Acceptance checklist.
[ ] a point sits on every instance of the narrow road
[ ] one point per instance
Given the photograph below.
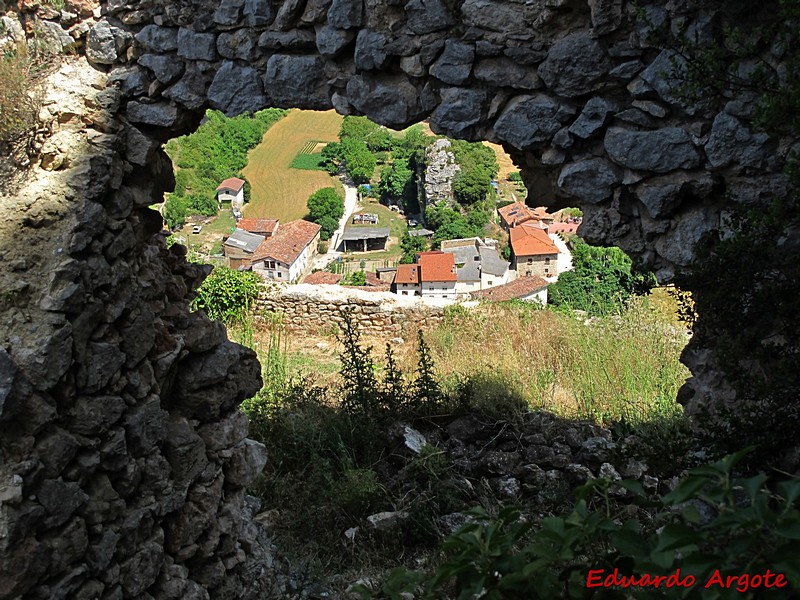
(350, 204)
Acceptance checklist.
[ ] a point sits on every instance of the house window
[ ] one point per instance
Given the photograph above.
(546, 271)
(547, 261)
(527, 273)
(405, 293)
(530, 261)
(280, 274)
(491, 282)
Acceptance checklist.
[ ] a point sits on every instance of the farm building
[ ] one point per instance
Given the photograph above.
(231, 190)
(240, 246)
(365, 239)
(286, 256)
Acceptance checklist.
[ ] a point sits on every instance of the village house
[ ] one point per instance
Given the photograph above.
(533, 253)
(265, 227)
(437, 274)
(478, 266)
(529, 289)
(514, 215)
(239, 247)
(231, 190)
(406, 280)
(365, 239)
(286, 255)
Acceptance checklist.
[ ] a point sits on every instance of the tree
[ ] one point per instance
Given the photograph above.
(411, 245)
(360, 162)
(227, 294)
(202, 204)
(600, 283)
(471, 185)
(326, 207)
(397, 183)
(175, 211)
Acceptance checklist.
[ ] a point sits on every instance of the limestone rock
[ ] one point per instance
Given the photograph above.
(290, 76)
(503, 71)
(455, 63)
(160, 114)
(281, 40)
(528, 121)
(239, 44)
(196, 46)
(385, 521)
(660, 151)
(731, 142)
(165, 68)
(229, 12)
(100, 44)
(459, 109)
(53, 39)
(606, 15)
(427, 16)
(331, 41)
(345, 14)
(236, 89)
(389, 100)
(370, 53)
(575, 65)
(593, 117)
(158, 40)
(257, 13)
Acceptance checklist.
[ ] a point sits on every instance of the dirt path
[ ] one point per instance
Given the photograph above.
(278, 191)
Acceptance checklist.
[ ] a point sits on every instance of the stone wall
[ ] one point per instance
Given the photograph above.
(318, 309)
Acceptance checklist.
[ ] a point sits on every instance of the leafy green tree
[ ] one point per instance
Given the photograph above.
(227, 294)
(601, 282)
(397, 183)
(174, 212)
(326, 207)
(332, 157)
(470, 155)
(202, 204)
(411, 245)
(471, 185)
(360, 162)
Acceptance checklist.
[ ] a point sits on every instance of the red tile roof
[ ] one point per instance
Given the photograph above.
(564, 228)
(323, 277)
(262, 226)
(373, 280)
(508, 291)
(288, 242)
(407, 274)
(437, 266)
(231, 183)
(519, 213)
(530, 240)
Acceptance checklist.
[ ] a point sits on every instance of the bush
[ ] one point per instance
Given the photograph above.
(326, 207)
(18, 110)
(227, 294)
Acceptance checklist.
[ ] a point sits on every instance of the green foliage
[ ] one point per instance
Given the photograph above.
(360, 392)
(471, 185)
(358, 278)
(309, 162)
(472, 155)
(754, 528)
(358, 160)
(227, 294)
(412, 245)
(426, 393)
(175, 210)
(449, 224)
(18, 108)
(601, 282)
(397, 184)
(375, 137)
(326, 207)
(515, 176)
(216, 151)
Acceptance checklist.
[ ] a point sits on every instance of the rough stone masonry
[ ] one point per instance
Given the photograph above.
(124, 456)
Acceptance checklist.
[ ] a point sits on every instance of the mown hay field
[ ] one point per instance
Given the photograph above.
(279, 191)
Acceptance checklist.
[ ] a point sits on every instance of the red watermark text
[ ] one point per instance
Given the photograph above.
(600, 578)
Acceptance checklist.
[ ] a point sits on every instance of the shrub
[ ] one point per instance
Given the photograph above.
(227, 294)
(326, 207)
(18, 109)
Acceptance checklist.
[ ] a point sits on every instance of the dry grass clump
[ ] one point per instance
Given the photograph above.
(18, 107)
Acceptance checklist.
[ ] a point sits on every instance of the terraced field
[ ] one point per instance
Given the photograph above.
(278, 191)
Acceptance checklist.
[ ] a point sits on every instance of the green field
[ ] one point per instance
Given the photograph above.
(278, 190)
(308, 162)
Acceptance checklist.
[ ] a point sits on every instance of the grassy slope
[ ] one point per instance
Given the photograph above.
(278, 191)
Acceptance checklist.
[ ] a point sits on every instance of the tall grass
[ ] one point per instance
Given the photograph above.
(623, 366)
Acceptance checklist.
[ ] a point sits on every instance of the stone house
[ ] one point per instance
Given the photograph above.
(231, 190)
(514, 215)
(286, 255)
(240, 246)
(529, 289)
(478, 266)
(533, 252)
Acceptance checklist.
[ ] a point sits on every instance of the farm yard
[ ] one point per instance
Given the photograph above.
(279, 188)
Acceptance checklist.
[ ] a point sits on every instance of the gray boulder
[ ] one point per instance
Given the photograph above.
(331, 41)
(196, 46)
(502, 71)
(165, 68)
(53, 39)
(100, 44)
(528, 121)
(606, 15)
(257, 13)
(459, 110)
(732, 142)
(287, 40)
(455, 63)
(389, 100)
(158, 39)
(239, 44)
(292, 78)
(593, 116)
(229, 12)
(345, 14)
(427, 16)
(161, 114)
(371, 53)
(575, 65)
(663, 76)
(236, 89)
(590, 180)
(661, 151)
